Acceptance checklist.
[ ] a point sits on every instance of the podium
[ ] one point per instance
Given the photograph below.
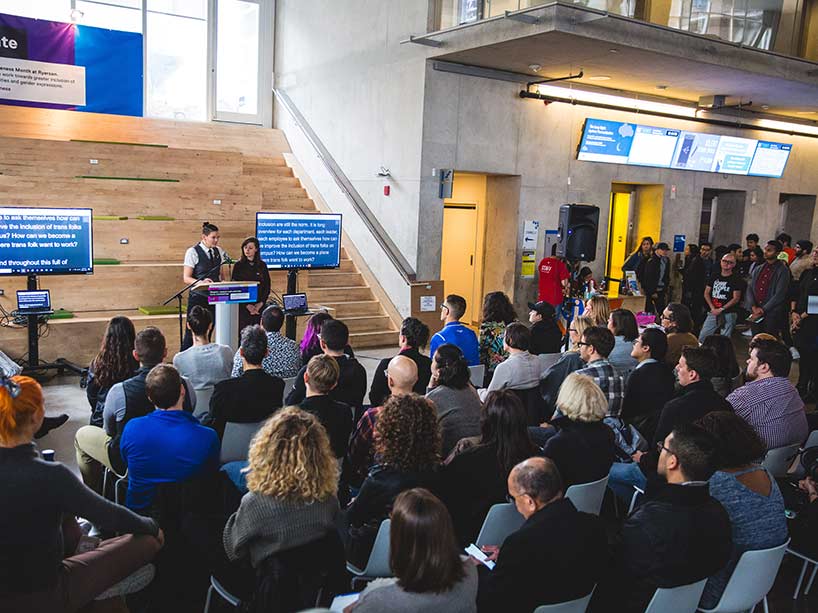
(227, 296)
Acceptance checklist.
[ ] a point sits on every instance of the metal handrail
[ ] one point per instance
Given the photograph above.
(355, 199)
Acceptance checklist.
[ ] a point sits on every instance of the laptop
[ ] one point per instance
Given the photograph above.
(295, 303)
(34, 302)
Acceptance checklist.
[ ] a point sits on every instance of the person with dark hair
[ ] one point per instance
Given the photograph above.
(801, 262)
(728, 376)
(553, 280)
(40, 569)
(454, 332)
(321, 377)
(351, 387)
(805, 330)
(786, 250)
(719, 251)
(693, 282)
(455, 399)
(678, 323)
(430, 574)
(747, 492)
(113, 364)
(651, 384)
(99, 447)
(595, 347)
(706, 254)
(205, 363)
(557, 555)
(752, 240)
(251, 267)
(654, 276)
(497, 314)
(769, 402)
(202, 263)
(585, 285)
(767, 292)
(283, 358)
(475, 477)
(622, 324)
(546, 336)
(168, 445)
(412, 337)
(677, 535)
(640, 256)
(251, 397)
(521, 371)
(407, 448)
(722, 295)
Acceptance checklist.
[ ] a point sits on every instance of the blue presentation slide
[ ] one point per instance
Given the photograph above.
(606, 141)
(299, 240)
(45, 241)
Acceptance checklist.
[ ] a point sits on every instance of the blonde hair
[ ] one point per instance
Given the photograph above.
(323, 371)
(600, 310)
(580, 399)
(290, 457)
(581, 324)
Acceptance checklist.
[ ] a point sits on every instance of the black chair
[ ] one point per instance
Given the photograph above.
(534, 404)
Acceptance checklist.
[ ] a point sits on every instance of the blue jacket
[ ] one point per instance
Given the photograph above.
(457, 334)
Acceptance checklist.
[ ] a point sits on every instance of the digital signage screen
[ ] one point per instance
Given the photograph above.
(634, 144)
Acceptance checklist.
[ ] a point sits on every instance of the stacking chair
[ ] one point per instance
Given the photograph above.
(203, 397)
(681, 599)
(289, 384)
(572, 606)
(236, 440)
(229, 598)
(804, 568)
(502, 520)
(779, 460)
(587, 497)
(378, 563)
(477, 375)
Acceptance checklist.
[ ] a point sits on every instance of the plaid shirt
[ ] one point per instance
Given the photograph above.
(362, 446)
(609, 380)
(774, 409)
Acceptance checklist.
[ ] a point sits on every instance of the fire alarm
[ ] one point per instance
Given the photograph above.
(386, 190)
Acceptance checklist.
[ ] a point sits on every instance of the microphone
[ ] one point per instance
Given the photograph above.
(228, 260)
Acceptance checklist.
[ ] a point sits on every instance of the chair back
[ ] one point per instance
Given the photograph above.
(752, 578)
(203, 397)
(289, 383)
(502, 520)
(236, 440)
(812, 440)
(681, 599)
(778, 460)
(477, 375)
(534, 404)
(587, 497)
(378, 563)
(572, 606)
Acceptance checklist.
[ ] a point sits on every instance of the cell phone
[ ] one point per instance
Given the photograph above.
(475, 552)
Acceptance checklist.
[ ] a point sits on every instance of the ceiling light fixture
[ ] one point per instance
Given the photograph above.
(600, 77)
(627, 104)
(662, 87)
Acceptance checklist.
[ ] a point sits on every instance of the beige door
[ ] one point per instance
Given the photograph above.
(457, 259)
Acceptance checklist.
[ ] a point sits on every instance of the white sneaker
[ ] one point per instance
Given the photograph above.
(794, 353)
(748, 333)
(131, 584)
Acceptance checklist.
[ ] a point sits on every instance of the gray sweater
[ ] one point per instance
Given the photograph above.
(264, 525)
(458, 412)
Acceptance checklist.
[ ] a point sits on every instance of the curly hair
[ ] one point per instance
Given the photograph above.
(407, 435)
(290, 457)
(497, 307)
(115, 361)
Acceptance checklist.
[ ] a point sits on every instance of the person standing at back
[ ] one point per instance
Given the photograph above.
(722, 295)
(767, 292)
(454, 332)
(655, 278)
(553, 282)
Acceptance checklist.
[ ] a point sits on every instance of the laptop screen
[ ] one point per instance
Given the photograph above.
(33, 301)
(295, 302)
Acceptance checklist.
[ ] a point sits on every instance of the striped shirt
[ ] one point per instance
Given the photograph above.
(774, 409)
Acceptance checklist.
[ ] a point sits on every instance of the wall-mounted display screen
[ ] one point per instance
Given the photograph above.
(299, 240)
(616, 142)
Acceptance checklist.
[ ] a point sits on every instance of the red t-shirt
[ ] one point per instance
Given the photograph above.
(553, 272)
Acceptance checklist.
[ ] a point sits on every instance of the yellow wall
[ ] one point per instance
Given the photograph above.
(647, 215)
(617, 237)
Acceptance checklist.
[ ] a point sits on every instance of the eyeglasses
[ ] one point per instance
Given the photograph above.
(660, 445)
(728, 262)
(443, 306)
(582, 344)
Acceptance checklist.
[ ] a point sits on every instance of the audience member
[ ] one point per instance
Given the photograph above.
(113, 364)
(569, 362)
(401, 377)
(40, 569)
(706, 254)
(693, 282)
(752, 240)
(205, 363)
(321, 378)
(769, 402)
(430, 574)
(678, 535)
(598, 309)
(283, 358)
(251, 397)
(351, 387)
(521, 371)
(412, 337)
(168, 445)
(597, 343)
(311, 342)
(475, 478)
(655, 279)
(678, 323)
(97, 447)
(583, 447)
(786, 250)
(497, 314)
(622, 324)
(722, 295)
(747, 492)
(728, 375)
(651, 384)
(805, 329)
(292, 478)
(454, 332)
(407, 445)
(455, 400)
(557, 555)
(767, 292)
(546, 336)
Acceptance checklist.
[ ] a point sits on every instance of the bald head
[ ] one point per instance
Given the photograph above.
(538, 478)
(401, 375)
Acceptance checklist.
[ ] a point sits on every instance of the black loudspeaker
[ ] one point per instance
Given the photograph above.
(576, 239)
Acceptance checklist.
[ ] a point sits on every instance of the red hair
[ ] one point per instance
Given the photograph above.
(16, 413)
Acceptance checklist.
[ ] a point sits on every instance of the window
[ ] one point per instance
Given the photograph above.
(237, 58)
(53, 10)
(125, 15)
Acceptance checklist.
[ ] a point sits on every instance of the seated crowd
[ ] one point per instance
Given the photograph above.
(432, 452)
